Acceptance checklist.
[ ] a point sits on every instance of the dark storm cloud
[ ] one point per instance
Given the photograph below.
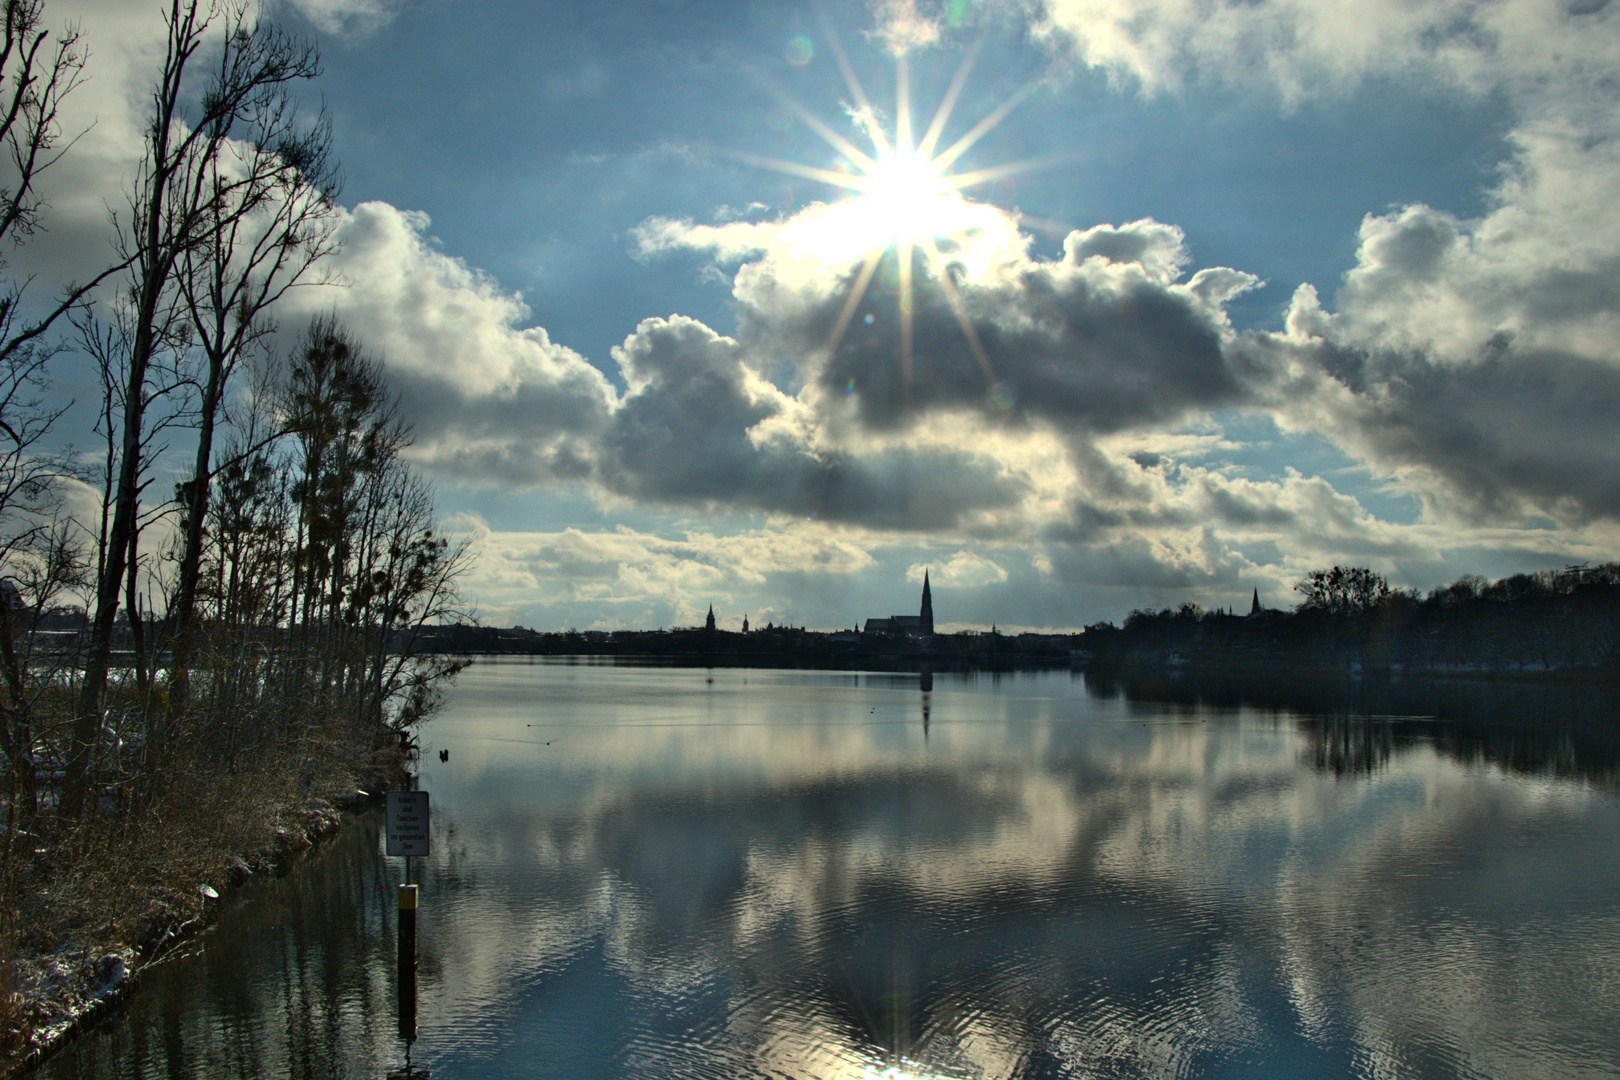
(1137, 563)
(571, 402)
(1509, 432)
(696, 428)
(1476, 362)
(1100, 340)
(696, 425)
(1245, 509)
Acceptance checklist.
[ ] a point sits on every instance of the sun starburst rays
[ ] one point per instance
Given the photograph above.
(903, 199)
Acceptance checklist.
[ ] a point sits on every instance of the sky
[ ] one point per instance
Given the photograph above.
(1081, 306)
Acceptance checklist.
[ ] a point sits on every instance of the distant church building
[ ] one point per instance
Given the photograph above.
(919, 625)
(708, 623)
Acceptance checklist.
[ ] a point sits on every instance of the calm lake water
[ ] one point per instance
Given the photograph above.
(653, 872)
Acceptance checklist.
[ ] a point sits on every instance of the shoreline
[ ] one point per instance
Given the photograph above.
(941, 664)
(71, 989)
(75, 987)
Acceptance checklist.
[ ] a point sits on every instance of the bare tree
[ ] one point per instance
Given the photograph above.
(369, 569)
(39, 71)
(345, 426)
(47, 567)
(406, 578)
(174, 216)
(269, 222)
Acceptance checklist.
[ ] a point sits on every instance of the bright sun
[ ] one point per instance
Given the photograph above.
(912, 195)
(903, 197)
(901, 192)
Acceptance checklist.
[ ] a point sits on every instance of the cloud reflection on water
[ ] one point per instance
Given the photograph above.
(1048, 885)
(779, 874)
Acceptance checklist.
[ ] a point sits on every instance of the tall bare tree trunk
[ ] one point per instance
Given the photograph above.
(173, 212)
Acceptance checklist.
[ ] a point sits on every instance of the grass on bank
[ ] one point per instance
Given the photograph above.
(125, 883)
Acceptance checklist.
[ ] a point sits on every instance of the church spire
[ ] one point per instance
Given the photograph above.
(1254, 609)
(927, 614)
(709, 624)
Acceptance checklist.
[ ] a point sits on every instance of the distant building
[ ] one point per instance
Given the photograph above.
(919, 625)
(708, 624)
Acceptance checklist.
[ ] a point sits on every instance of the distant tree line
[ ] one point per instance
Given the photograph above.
(769, 646)
(237, 650)
(1350, 618)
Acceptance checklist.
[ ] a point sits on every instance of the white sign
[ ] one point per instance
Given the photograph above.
(407, 823)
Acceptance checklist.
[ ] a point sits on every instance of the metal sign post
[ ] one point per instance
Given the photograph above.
(407, 824)
(407, 831)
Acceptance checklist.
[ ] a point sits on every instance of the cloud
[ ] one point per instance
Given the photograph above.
(1189, 523)
(490, 399)
(1052, 425)
(1108, 339)
(962, 570)
(352, 19)
(105, 117)
(1067, 430)
(901, 27)
(729, 242)
(1085, 389)
(1502, 435)
(1475, 358)
(1545, 276)
(1104, 338)
(1471, 359)
(633, 579)
(701, 426)
(1306, 48)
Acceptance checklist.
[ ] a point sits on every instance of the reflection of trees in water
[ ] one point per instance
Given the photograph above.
(1348, 745)
(1354, 726)
(290, 979)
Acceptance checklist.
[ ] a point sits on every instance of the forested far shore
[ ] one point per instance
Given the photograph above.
(1350, 619)
(256, 550)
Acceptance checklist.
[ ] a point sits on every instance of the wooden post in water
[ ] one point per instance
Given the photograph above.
(407, 962)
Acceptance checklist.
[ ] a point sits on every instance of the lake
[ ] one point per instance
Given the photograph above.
(654, 872)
